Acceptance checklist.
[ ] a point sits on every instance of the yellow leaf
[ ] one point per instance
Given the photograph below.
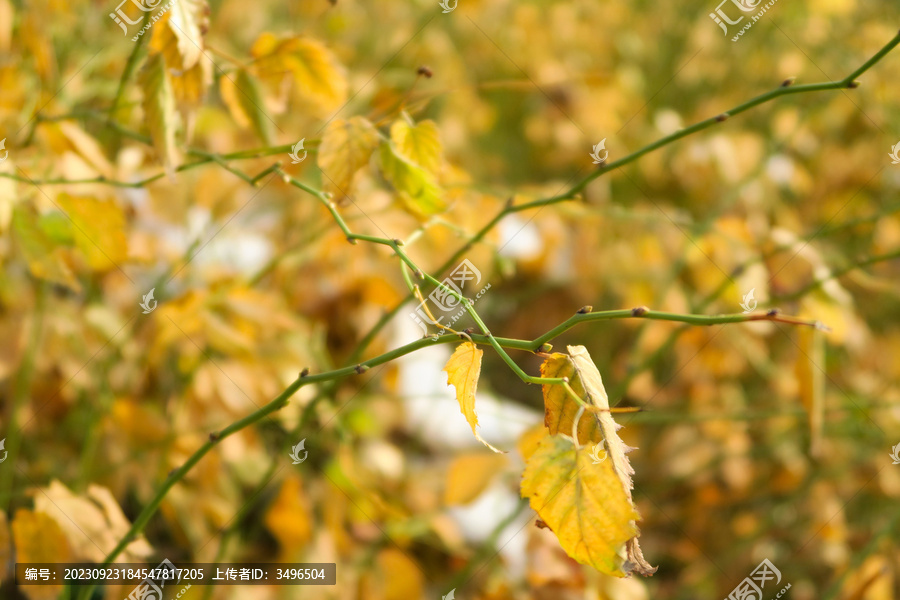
(559, 409)
(420, 143)
(179, 31)
(39, 539)
(470, 474)
(318, 76)
(463, 370)
(595, 394)
(581, 502)
(44, 259)
(178, 37)
(244, 100)
(810, 374)
(99, 229)
(346, 147)
(288, 518)
(416, 187)
(159, 110)
(92, 525)
(399, 575)
(529, 440)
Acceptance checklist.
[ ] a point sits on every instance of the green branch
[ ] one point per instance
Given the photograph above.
(785, 89)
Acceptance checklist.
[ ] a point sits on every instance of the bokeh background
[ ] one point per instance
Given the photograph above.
(757, 441)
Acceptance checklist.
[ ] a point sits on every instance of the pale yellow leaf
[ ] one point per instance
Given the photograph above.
(420, 143)
(469, 475)
(179, 31)
(416, 187)
(159, 110)
(38, 538)
(583, 503)
(463, 370)
(93, 524)
(87, 147)
(98, 229)
(346, 147)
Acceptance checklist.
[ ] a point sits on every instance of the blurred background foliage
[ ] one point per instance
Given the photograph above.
(759, 440)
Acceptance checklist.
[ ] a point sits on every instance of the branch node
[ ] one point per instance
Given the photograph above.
(351, 239)
(585, 310)
(545, 348)
(419, 274)
(426, 71)
(773, 312)
(214, 437)
(639, 311)
(360, 369)
(304, 372)
(853, 85)
(397, 242)
(469, 330)
(723, 117)
(510, 201)
(788, 82)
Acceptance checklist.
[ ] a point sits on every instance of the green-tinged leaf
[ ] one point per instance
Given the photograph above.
(242, 95)
(560, 409)
(159, 110)
(416, 187)
(45, 260)
(99, 229)
(420, 143)
(317, 74)
(463, 370)
(581, 502)
(346, 147)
